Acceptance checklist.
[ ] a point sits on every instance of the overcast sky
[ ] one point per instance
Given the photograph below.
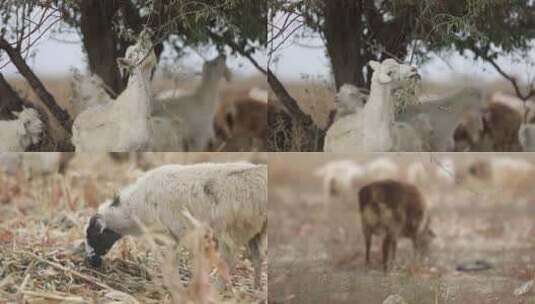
(57, 58)
(296, 60)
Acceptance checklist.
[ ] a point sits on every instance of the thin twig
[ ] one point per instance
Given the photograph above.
(73, 272)
(54, 296)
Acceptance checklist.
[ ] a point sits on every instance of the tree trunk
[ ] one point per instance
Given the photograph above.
(37, 86)
(101, 42)
(9, 100)
(305, 134)
(343, 34)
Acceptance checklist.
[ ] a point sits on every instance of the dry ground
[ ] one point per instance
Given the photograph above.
(41, 238)
(60, 88)
(310, 243)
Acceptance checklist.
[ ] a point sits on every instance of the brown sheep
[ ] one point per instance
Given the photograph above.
(397, 210)
(468, 134)
(501, 124)
(244, 118)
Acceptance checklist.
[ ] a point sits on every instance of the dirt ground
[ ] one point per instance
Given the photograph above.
(311, 243)
(42, 219)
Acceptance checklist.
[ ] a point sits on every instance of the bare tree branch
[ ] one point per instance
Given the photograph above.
(61, 115)
(509, 78)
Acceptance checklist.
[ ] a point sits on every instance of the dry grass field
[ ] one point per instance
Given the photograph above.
(60, 88)
(316, 252)
(42, 257)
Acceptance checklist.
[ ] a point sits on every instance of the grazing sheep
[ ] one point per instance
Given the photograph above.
(431, 175)
(231, 197)
(505, 175)
(19, 134)
(468, 135)
(397, 210)
(369, 130)
(339, 179)
(192, 115)
(443, 114)
(382, 168)
(349, 100)
(405, 138)
(35, 163)
(123, 124)
(243, 118)
(501, 125)
(87, 91)
(514, 103)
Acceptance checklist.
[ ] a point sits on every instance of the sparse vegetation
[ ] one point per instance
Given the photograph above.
(42, 258)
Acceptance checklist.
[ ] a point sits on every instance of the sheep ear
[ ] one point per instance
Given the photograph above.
(383, 78)
(374, 65)
(17, 114)
(99, 224)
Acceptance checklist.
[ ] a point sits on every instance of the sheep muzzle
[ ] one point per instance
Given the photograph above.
(99, 240)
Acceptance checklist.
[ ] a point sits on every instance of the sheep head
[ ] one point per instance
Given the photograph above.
(216, 69)
(99, 240)
(139, 54)
(391, 72)
(31, 127)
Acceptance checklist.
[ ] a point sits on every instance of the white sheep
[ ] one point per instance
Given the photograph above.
(433, 175)
(17, 135)
(444, 115)
(382, 168)
(258, 94)
(123, 124)
(349, 100)
(417, 173)
(193, 114)
(87, 91)
(369, 130)
(230, 197)
(34, 163)
(340, 179)
(506, 175)
(406, 138)
(515, 103)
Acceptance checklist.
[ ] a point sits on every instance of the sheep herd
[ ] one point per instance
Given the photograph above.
(394, 197)
(137, 120)
(465, 121)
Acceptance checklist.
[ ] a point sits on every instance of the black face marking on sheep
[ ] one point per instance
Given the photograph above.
(99, 240)
(115, 202)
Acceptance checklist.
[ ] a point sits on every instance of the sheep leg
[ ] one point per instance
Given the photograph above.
(394, 244)
(254, 255)
(386, 248)
(226, 254)
(368, 243)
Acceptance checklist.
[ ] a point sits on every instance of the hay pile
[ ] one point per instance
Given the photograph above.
(42, 258)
